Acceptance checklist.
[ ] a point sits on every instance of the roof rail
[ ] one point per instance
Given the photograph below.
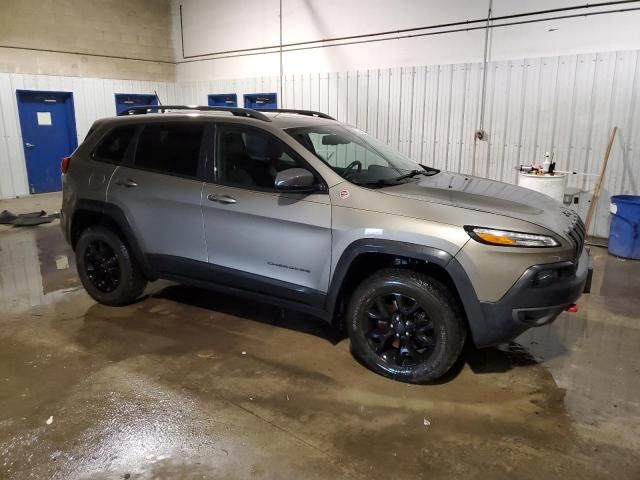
(241, 112)
(310, 113)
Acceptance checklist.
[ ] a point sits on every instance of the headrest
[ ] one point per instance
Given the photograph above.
(260, 147)
(233, 144)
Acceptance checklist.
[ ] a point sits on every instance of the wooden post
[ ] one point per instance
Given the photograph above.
(596, 191)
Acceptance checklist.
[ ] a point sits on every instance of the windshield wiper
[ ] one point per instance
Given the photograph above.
(389, 182)
(410, 174)
(428, 171)
(385, 182)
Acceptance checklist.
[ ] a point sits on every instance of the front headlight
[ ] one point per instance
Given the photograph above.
(506, 238)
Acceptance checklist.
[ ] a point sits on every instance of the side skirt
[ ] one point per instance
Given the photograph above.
(235, 282)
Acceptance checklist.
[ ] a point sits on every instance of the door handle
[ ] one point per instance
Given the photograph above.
(126, 183)
(29, 145)
(224, 199)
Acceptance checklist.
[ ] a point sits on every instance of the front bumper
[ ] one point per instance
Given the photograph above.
(537, 298)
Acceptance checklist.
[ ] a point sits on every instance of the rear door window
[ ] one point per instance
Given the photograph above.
(113, 146)
(170, 148)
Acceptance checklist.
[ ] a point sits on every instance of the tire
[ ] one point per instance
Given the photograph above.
(405, 325)
(107, 269)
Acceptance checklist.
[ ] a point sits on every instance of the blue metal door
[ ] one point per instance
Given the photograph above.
(260, 100)
(129, 100)
(48, 127)
(223, 100)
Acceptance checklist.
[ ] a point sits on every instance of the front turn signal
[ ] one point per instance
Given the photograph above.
(507, 238)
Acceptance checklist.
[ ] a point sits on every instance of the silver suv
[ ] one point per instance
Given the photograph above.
(296, 208)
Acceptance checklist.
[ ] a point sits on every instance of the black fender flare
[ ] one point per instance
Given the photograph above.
(445, 260)
(117, 216)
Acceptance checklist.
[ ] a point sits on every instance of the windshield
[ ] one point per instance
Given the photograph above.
(358, 157)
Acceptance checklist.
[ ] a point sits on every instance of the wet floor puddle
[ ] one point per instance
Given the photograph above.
(186, 384)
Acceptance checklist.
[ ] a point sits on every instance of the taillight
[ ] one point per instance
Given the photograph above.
(64, 165)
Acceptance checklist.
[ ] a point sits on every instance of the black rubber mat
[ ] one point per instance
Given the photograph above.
(26, 219)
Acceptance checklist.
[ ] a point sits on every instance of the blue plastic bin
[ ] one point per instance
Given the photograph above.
(624, 234)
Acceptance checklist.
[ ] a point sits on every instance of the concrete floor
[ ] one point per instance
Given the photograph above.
(192, 384)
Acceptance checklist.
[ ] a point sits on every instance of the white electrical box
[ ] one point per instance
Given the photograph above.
(578, 200)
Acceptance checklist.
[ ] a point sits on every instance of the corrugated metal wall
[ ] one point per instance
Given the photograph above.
(92, 98)
(565, 105)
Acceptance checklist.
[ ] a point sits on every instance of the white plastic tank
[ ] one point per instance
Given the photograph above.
(551, 185)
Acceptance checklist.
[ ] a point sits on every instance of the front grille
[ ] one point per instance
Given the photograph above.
(576, 234)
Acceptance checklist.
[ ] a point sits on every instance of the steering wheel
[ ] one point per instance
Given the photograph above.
(347, 171)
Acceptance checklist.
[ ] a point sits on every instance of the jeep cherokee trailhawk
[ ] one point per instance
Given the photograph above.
(296, 208)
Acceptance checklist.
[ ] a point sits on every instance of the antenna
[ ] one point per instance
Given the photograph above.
(157, 97)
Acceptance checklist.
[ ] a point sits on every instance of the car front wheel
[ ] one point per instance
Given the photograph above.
(405, 325)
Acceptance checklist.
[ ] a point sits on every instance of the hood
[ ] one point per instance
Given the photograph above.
(484, 195)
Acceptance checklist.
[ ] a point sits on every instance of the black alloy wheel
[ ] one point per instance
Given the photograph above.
(108, 270)
(399, 330)
(406, 325)
(102, 266)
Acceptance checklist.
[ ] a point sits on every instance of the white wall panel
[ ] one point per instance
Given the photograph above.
(566, 105)
(417, 112)
(473, 99)
(384, 104)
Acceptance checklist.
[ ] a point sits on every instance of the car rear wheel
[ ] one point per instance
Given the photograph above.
(107, 269)
(405, 325)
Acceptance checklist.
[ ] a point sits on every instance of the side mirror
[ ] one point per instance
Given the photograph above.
(295, 180)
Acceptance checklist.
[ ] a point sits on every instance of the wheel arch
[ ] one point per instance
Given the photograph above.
(88, 213)
(363, 257)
